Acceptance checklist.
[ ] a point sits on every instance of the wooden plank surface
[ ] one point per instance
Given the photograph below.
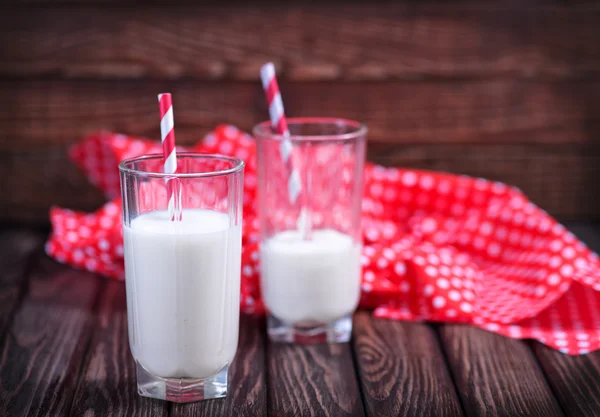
(316, 41)
(575, 380)
(312, 380)
(43, 179)
(559, 178)
(66, 353)
(488, 129)
(108, 386)
(424, 77)
(49, 113)
(42, 354)
(108, 383)
(587, 232)
(402, 369)
(247, 394)
(496, 376)
(17, 248)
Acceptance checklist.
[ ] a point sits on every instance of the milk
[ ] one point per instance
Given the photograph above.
(310, 281)
(183, 289)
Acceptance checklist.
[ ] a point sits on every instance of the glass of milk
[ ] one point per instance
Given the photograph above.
(182, 272)
(310, 248)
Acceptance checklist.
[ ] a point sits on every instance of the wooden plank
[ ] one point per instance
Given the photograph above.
(43, 179)
(17, 248)
(354, 42)
(247, 396)
(587, 232)
(406, 120)
(496, 376)
(575, 380)
(49, 113)
(43, 352)
(312, 380)
(108, 383)
(560, 178)
(513, 5)
(402, 369)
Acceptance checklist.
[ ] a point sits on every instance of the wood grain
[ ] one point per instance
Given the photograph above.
(49, 113)
(496, 376)
(560, 178)
(108, 384)
(40, 180)
(575, 380)
(422, 125)
(247, 393)
(312, 380)
(402, 369)
(587, 232)
(43, 352)
(321, 41)
(17, 249)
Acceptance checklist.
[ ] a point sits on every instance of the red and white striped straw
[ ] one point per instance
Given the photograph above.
(167, 132)
(279, 123)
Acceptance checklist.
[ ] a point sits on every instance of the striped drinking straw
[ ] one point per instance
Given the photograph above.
(167, 124)
(279, 123)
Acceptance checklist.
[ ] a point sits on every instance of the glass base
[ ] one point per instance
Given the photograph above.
(339, 331)
(182, 390)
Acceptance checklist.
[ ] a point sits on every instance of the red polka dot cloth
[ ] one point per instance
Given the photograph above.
(437, 247)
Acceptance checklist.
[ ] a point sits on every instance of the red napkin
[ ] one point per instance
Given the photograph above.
(437, 247)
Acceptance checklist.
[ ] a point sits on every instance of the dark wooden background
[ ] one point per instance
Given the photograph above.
(508, 90)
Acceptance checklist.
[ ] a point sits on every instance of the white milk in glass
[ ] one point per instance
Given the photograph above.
(183, 286)
(310, 281)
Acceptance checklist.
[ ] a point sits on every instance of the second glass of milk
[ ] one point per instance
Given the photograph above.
(182, 272)
(311, 244)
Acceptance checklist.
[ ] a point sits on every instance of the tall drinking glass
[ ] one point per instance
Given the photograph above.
(310, 249)
(182, 272)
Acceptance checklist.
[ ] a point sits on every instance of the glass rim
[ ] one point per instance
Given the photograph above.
(263, 129)
(237, 165)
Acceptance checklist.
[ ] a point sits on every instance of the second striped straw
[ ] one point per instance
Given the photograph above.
(280, 126)
(279, 123)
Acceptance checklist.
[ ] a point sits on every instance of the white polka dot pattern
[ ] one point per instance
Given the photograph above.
(435, 246)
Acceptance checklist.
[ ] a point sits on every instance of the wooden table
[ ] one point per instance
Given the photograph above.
(65, 353)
